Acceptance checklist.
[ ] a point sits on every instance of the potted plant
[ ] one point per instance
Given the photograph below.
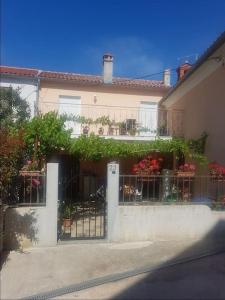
(162, 130)
(186, 170)
(148, 166)
(216, 171)
(67, 220)
(132, 131)
(173, 196)
(101, 131)
(122, 128)
(86, 130)
(219, 204)
(30, 169)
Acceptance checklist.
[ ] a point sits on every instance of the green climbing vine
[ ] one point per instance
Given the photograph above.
(96, 148)
(46, 135)
(198, 145)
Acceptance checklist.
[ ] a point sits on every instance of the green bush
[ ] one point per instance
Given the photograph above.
(46, 135)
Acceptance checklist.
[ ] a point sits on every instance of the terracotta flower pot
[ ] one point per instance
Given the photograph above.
(29, 173)
(185, 174)
(67, 223)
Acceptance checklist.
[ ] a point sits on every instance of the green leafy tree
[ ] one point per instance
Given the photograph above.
(11, 159)
(46, 135)
(14, 110)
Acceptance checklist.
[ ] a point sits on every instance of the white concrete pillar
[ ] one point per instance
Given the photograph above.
(51, 204)
(112, 198)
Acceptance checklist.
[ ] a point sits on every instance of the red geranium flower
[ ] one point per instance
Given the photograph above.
(148, 166)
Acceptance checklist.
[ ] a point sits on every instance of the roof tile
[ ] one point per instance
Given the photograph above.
(82, 78)
(18, 71)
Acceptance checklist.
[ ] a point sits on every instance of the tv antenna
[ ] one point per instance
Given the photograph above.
(190, 58)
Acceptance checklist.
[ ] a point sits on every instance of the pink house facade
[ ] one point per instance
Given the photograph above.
(111, 107)
(200, 94)
(119, 108)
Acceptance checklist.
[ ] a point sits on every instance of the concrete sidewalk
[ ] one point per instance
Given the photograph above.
(43, 269)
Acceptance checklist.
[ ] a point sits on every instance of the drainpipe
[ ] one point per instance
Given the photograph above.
(37, 94)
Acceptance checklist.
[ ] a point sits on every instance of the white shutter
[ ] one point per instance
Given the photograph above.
(148, 118)
(71, 106)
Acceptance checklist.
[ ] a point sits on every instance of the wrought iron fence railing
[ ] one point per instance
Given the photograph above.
(26, 190)
(160, 189)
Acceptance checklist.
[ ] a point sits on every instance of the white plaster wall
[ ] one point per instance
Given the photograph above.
(177, 222)
(34, 226)
(26, 227)
(28, 89)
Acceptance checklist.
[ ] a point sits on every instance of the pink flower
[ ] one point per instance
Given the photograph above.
(216, 169)
(187, 167)
(35, 182)
(192, 167)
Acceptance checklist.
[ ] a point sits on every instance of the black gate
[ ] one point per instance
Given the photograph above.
(82, 207)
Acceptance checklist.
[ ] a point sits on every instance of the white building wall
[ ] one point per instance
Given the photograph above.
(163, 222)
(28, 89)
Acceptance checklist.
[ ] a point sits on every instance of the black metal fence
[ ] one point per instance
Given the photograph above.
(25, 190)
(82, 209)
(159, 189)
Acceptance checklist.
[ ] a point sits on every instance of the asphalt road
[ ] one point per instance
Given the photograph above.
(39, 270)
(201, 279)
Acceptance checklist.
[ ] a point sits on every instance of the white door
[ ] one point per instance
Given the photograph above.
(148, 118)
(71, 106)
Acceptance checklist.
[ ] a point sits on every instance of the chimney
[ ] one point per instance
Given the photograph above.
(166, 77)
(107, 68)
(182, 70)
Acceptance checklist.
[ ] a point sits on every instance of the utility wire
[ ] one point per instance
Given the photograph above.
(153, 74)
(147, 75)
(217, 58)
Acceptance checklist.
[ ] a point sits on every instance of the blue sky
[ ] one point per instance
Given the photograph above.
(145, 36)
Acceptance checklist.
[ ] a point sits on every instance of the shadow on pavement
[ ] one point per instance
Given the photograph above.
(199, 279)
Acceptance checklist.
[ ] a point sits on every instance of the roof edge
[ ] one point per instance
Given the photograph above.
(215, 46)
(85, 79)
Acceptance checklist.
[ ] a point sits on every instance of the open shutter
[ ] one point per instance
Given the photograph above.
(148, 118)
(71, 106)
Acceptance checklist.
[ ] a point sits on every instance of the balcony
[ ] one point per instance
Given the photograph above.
(126, 123)
(143, 122)
(170, 123)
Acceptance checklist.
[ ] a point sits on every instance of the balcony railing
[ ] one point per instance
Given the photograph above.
(122, 121)
(170, 123)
